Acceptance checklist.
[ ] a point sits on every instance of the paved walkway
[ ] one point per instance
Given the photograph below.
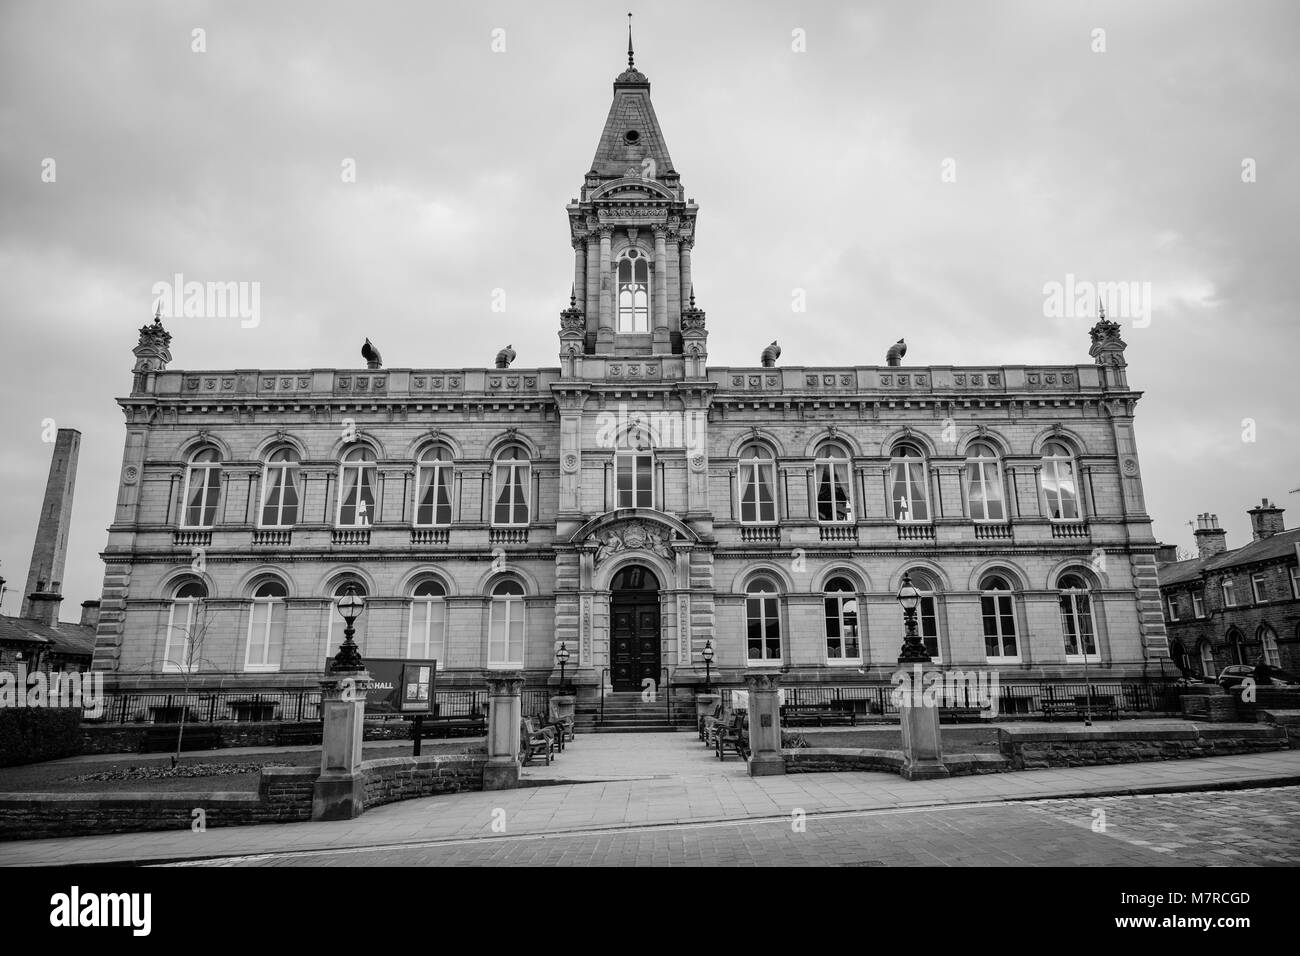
(705, 791)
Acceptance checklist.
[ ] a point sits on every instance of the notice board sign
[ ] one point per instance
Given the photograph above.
(401, 685)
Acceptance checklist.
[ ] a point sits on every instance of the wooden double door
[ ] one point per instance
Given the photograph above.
(634, 628)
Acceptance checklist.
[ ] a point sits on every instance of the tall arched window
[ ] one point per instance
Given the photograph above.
(357, 488)
(1208, 667)
(511, 478)
(633, 292)
(266, 627)
(1059, 488)
(1236, 650)
(433, 487)
(834, 501)
(506, 625)
(334, 637)
(757, 485)
(999, 611)
(841, 604)
(762, 621)
(984, 483)
(1179, 656)
(202, 488)
(1076, 619)
(927, 611)
(184, 627)
(1268, 646)
(909, 494)
(280, 493)
(634, 469)
(427, 633)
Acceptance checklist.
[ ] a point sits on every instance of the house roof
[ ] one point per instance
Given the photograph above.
(78, 639)
(1272, 548)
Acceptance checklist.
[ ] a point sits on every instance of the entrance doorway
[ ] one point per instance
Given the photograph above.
(634, 628)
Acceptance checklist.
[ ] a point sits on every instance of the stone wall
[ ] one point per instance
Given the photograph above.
(1212, 708)
(842, 759)
(1031, 748)
(405, 778)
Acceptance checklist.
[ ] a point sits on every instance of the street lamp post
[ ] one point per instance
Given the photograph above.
(562, 655)
(913, 650)
(707, 654)
(350, 606)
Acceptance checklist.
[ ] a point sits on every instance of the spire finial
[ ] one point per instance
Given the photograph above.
(1101, 308)
(629, 42)
(692, 295)
(573, 296)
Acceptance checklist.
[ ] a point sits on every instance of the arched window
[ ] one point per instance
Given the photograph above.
(1236, 652)
(1076, 619)
(511, 478)
(762, 621)
(202, 487)
(1179, 656)
(927, 611)
(999, 611)
(909, 493)
(266, 627)
(757, 485)
(634, 469)
(427, 633)
(842, 638)
(633, 292)
(1208, 668)
(506, 625)
(1058, 482)
(834, 501)
(357, 488)
(433, 487)
(184, 627)
(1268, 646)
(280, 491)
(334, 637)
(984, 483)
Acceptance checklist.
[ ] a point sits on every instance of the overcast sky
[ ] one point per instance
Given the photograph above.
(818, 170)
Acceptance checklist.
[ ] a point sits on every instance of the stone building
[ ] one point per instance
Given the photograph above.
(1235, 607)
(632, 504)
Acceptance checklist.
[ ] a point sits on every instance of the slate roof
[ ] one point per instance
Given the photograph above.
(631, 110)
(75, 639)
(1272, 548)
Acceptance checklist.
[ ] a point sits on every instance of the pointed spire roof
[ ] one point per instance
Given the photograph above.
(631, 129)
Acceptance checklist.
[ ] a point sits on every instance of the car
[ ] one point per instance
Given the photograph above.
(1233, 675)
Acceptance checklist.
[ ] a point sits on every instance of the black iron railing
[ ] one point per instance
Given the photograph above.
(213, 706)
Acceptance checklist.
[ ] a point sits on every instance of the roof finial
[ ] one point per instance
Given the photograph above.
(573, 296)
(692, 295)
(1101, 308)
(629, 42)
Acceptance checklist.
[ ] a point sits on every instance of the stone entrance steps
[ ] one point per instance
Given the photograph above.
(626, 712)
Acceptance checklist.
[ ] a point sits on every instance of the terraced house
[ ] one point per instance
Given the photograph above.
(631, 503)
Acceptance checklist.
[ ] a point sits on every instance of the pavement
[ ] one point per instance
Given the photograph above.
(594, 790)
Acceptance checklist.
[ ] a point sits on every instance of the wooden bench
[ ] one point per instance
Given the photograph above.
(818, 714)
(734, 734)
(534, 743)
(471, 725)
(706, 723)
(1101, 706)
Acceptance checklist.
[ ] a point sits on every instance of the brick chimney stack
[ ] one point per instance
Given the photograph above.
(44, 591)
(1210, 538)
(90, 614)
(1266, 520)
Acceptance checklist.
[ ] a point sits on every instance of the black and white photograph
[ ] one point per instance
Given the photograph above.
(698, 435)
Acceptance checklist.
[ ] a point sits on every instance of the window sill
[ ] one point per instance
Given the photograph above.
(1080, 659)
(261, 668)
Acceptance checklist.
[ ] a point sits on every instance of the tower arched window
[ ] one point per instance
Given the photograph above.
(1059, 487)
(433, 476)
(202, 488)
(843, 642)
(634, 468)
(757, 485)
(832, 474)
(998, 607)
(909, 490)
(184, 627)
(427, 630)
(633, 292)
(984, 483)
(266, 627)
(506, 625)
(762, 621)
(511, 479)
(1076, 619)
(280, 494)
(357, 488)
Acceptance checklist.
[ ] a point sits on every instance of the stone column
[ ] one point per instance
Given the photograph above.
(591, 303)
(504, 714)
(764, 724)
(685, 254)
(580, 268)
(919, 722)
(661, 290)
(605, 332)
(340, 792)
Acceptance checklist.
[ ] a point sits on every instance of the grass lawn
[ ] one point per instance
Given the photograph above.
(211, 770)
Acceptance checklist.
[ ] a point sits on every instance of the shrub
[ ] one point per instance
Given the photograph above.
(33, 734)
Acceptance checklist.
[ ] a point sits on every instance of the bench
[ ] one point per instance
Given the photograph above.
(706, 723)
(308, 734)
(534, 743)
(818, 714)
(733, 734)
(197, 737)
(464, 725)
(1076, 706)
